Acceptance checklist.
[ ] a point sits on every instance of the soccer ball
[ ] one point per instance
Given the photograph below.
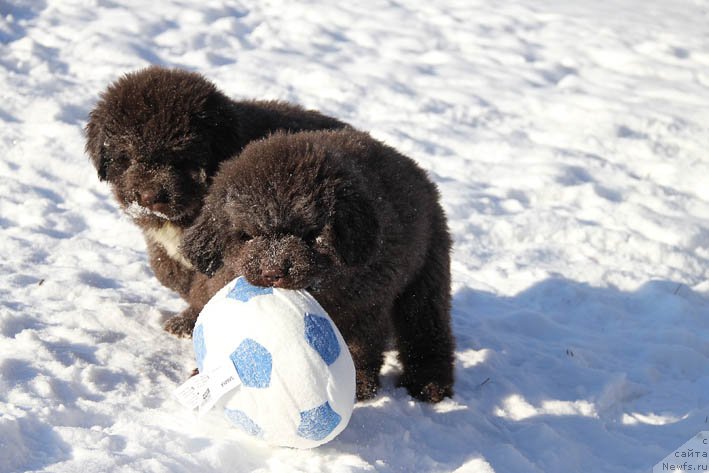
(297, 376)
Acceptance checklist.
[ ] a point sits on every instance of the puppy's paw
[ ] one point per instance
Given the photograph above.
(183, 324)
(431, 391)
(367, 385)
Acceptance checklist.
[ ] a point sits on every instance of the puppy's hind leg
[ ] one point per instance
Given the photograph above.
(421, 317)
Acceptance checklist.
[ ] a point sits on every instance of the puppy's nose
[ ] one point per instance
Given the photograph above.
(152, 197)
(273, 274)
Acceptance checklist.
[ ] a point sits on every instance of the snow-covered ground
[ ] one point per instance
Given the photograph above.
(570, 142)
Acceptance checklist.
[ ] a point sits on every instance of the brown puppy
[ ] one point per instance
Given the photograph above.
(355, 223)
(157, 136)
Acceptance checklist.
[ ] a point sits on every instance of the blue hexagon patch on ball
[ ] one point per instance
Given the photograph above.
(200, 349)
(318, 423)
(244, 422)
(253, 363)
(243, 291)
(321, 336)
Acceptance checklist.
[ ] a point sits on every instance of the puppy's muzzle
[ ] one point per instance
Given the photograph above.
(274, 275)
(157, 200)
(276, 261)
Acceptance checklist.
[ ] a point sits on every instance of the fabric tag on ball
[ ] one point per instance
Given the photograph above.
(204, 390)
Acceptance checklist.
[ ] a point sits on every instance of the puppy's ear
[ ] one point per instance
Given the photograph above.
(356, 228)
(95, 147)
(218, 120)
(203, 243)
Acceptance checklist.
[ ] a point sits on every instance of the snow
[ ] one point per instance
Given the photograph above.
(569, 140)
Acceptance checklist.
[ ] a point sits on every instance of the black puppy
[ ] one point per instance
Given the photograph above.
(157, 136)
(355, 223)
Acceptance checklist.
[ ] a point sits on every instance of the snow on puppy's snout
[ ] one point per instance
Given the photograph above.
(275, 261)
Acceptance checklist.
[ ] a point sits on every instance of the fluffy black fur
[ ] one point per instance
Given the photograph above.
(355, 223)
(157, 136)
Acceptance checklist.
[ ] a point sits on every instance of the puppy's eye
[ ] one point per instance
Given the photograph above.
(114, 164)
(200, 175)
(311, 237)
(103, 150)
(244, 237)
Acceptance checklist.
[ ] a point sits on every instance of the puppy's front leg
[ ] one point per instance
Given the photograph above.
(366, 338)
(182, 325)
(169, 271)
(201, 290)
(367, 373)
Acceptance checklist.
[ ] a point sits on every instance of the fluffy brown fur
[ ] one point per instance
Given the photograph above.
(157, 136)
(355, 223)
